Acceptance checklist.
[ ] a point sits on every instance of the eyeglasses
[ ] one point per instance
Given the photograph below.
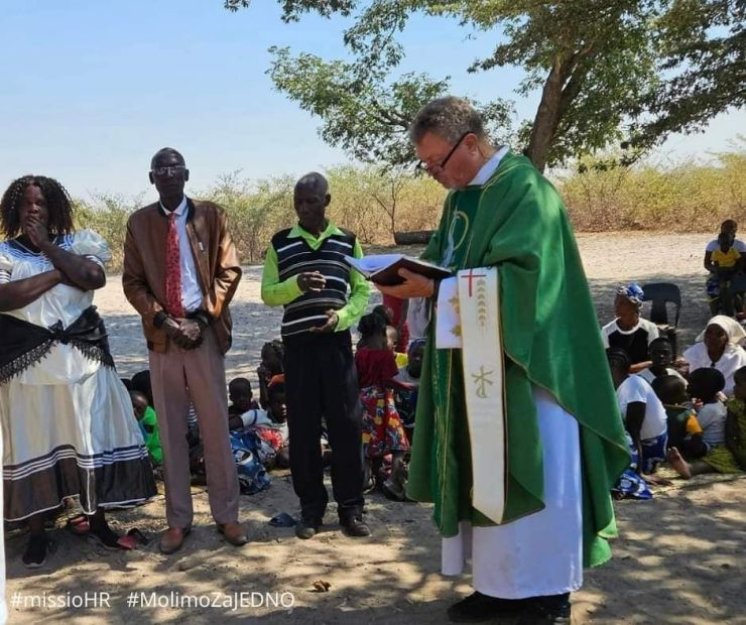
(171, 170)
(422, 165)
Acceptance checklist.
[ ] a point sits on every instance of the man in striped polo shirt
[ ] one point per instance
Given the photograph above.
(305, 272)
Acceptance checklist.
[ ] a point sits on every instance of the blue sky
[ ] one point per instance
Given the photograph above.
(92, 89)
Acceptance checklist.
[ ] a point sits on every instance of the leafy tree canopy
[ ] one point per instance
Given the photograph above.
(599, 65)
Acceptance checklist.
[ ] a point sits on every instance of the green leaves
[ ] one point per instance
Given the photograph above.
(292, 9)
(704, 53)
(368, 118)
(607, 70)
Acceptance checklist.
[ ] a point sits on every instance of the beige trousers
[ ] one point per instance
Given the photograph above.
(179, 376)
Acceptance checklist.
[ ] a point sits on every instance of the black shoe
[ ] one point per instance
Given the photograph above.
(550, 610)
(355, 526)
(36, 551)
(393, 491)
(477, 608)
(307, 528)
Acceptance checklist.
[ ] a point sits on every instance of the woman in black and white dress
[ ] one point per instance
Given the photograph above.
(67, 421)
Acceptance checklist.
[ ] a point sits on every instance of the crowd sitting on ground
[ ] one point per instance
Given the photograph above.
(687, 411)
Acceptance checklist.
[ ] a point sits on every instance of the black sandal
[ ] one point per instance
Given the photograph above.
(36, 552)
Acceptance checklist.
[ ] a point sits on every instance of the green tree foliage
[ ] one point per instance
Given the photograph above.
(359, 115)
(592, 60)
(704, 52)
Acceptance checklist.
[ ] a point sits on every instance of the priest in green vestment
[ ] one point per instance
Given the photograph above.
(561, 437)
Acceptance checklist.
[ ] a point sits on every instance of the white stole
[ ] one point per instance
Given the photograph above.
(468, 318)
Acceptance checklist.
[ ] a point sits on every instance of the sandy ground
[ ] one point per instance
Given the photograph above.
(679, 559)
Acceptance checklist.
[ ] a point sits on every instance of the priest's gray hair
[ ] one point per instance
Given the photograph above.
(450, 118)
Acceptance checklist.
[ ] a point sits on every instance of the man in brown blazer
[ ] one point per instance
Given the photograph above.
(180, 273)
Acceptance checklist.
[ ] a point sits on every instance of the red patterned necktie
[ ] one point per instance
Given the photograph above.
(174, 306)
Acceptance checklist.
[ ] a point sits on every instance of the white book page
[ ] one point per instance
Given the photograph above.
(371, 264)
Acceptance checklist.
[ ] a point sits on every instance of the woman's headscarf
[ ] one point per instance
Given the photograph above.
(732, 328)
(632, 292)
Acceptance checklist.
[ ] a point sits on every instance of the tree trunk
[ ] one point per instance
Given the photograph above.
(547, 115)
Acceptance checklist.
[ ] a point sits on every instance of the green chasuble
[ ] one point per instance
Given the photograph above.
(517, 221)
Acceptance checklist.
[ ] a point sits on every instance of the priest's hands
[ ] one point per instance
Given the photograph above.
(414, 285)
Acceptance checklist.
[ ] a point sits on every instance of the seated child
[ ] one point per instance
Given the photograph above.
(392, 338)
(250, 424)
(278, 412)
(411, 372)
(252, 454)
(148, 425)
(684, 430)
(141, 382)
(243, 411)
(631, 484)
(407, 383)
(705, 385)
(383, 431)
(252, 475)
(725, 257)
(724, 261)
(724, 426)
(642, 412)
(272, 355)
(661, 355)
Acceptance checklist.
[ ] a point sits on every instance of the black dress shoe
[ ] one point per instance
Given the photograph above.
(355, 526)
(477, 608)
(307, 528)
(549, 610)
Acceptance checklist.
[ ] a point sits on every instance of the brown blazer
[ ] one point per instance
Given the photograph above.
(216, 260)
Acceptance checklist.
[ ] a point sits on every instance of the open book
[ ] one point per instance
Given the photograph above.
(384, 268)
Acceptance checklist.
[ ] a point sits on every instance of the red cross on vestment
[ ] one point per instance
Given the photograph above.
(470, 277)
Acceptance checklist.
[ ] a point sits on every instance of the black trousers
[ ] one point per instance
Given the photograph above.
(321, 381)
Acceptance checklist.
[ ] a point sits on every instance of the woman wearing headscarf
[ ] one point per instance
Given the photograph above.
(629, 331)
(718, 347)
